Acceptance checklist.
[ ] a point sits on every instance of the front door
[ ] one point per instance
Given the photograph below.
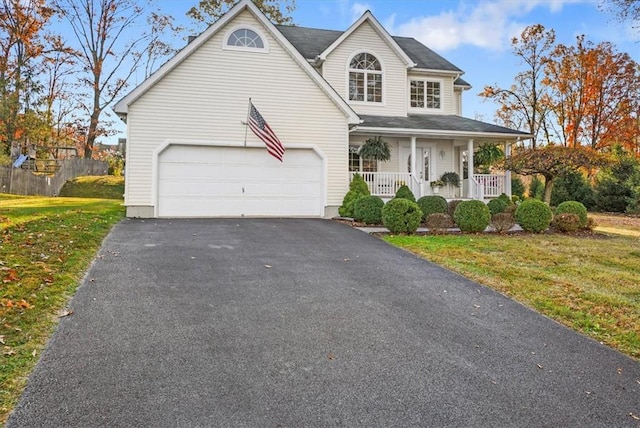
(423, 162)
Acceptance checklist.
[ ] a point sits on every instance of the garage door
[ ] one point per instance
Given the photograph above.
(196, 181)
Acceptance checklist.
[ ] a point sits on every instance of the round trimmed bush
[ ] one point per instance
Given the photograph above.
(567, 222)
(431, 205)
(573, 207)
(401, 216)
(472, 216)
(497, 206)
(405, 193)
(533, 215)
(368, 209)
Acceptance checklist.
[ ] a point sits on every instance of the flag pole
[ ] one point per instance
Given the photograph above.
(246, 124)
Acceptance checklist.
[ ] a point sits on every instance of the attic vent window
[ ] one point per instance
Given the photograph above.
(365, 78)
(245, 38)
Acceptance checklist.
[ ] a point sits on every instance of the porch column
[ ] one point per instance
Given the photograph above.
(507, 173)
(470, 168)
(413, 157)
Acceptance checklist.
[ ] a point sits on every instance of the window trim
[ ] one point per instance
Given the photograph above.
(382, 73)
(360, 160)
(425, 80)
(227, 35)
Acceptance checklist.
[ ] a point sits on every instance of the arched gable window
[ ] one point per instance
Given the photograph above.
(245, 38)
(365, 78)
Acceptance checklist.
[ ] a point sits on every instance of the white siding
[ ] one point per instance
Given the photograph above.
(205, 98)
(394, 83)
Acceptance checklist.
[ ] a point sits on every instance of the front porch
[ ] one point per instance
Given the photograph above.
(481, 186)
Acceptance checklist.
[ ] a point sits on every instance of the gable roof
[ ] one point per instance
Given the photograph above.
(437, 124)
(312, 42)
(122, 106)
(378, 28)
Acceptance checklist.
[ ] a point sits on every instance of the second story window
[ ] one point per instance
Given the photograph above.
(426, 94)
(365, 78)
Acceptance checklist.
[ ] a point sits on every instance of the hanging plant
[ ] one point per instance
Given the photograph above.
(375, 148)
(451, 178)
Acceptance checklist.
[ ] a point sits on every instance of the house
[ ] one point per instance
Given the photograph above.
(324, 93)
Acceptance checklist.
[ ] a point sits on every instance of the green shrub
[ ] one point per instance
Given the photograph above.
(401, 215)
(573, 207)
(572, 186)
(536, 188)
(453, 204)
(517, 187)
(502, 222)
(533, 215)
(497, 206)
(612, 195)
(472, 216)
(405, 193)
(505, 198)
(432, 204)
(439, 222)
(368, 209)
(567, 222)
(357, 188)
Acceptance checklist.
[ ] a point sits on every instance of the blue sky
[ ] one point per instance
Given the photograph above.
(473, 35)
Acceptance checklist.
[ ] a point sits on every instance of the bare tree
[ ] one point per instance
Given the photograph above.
(523, 104)
(208, 11)
(110, 49)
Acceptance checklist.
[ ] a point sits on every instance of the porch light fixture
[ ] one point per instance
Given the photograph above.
(442, 154)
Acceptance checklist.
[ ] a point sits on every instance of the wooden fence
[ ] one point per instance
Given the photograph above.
(20, 181)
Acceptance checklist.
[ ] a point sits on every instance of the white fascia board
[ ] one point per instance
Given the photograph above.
(436, 133)
(431, 71)
(122, 106)
(368, 16)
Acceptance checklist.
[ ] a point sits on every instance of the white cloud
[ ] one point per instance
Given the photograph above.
(489, 24)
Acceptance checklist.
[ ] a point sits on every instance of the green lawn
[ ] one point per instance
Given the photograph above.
(104, 187)
(46, 245)
(591, 284)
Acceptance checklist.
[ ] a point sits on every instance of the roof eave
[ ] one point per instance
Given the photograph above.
(440, 133)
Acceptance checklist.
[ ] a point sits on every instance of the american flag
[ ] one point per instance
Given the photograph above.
(261, 128)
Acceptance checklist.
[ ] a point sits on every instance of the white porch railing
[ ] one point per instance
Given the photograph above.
(385, 184)
(493, 185)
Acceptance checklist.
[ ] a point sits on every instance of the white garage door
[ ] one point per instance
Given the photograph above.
(197, 181)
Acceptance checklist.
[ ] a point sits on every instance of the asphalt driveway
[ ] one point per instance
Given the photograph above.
(303, 323)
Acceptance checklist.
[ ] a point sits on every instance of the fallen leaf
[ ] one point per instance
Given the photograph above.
(2, 340)
(331, 356)
(267, 266)
(347, 260)
(34, 353)
(23, 304)
(539, 366)
(65, 313)
(619, 371)
(8, 351)
(637, 418)
(476, 306)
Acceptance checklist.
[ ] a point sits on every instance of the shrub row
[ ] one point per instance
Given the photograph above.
(403, 214)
